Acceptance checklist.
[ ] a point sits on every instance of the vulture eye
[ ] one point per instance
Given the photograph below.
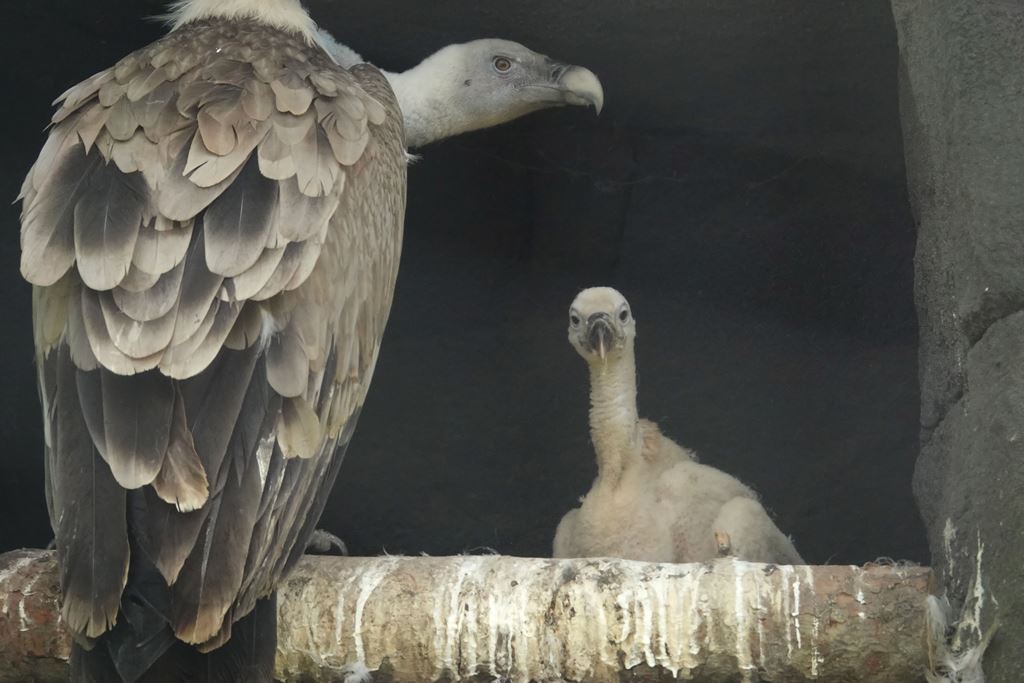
(574, 319)
(624, 314)
(502, 64)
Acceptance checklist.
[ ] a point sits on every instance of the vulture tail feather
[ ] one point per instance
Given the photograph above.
(91, 529)
(258, 569)
(212, 402)
(248, 656)
(91, 665)
(251, 442)
(142, 634)
(315, 478)
(174, 533)
(212, 575)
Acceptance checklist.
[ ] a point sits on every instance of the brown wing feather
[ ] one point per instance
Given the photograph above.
(223, 191)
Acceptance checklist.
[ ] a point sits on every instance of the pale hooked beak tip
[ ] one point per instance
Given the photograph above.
(582, 87)
(600, 337)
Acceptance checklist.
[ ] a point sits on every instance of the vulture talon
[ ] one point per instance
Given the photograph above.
(323, 542)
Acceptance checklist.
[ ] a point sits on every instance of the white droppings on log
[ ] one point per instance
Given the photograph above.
(742, 632)
(471, 605)
(518, 619)
(23, 617)
(492, 629)
(760, 617)
(786, 572)
(816, 657)
(645, 615)
(709, 620)
(690, 617)
(859, 585)
(339, 610)
(795, 614)
(535, 619)
(6, 575)
(368, 581)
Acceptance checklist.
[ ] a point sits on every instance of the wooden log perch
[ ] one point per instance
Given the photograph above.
(487, 617)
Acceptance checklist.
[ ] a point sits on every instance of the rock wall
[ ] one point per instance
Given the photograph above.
(962, 105)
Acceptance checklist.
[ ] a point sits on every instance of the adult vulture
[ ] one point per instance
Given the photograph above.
(213, 230)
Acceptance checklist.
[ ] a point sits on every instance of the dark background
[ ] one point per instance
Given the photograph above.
(744, 188)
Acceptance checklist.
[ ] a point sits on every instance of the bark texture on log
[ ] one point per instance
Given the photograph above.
(486, 617)
(33, 643)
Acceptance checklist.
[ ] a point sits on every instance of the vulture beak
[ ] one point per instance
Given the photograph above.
(600, 335)
(578, 85)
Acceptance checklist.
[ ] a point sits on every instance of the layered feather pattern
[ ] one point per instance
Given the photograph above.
(213, 230)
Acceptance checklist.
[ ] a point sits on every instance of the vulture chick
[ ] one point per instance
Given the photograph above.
(212, 231)
(651, 499)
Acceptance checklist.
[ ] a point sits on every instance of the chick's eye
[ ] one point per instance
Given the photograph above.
(624, 314)
(502, 64)
(574, 319)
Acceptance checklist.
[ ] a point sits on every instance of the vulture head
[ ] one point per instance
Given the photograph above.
(492, 81)
(479, 84)
(601, 325)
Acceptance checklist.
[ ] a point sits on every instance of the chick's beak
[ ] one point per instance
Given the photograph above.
(600, 336)
(579, 85)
